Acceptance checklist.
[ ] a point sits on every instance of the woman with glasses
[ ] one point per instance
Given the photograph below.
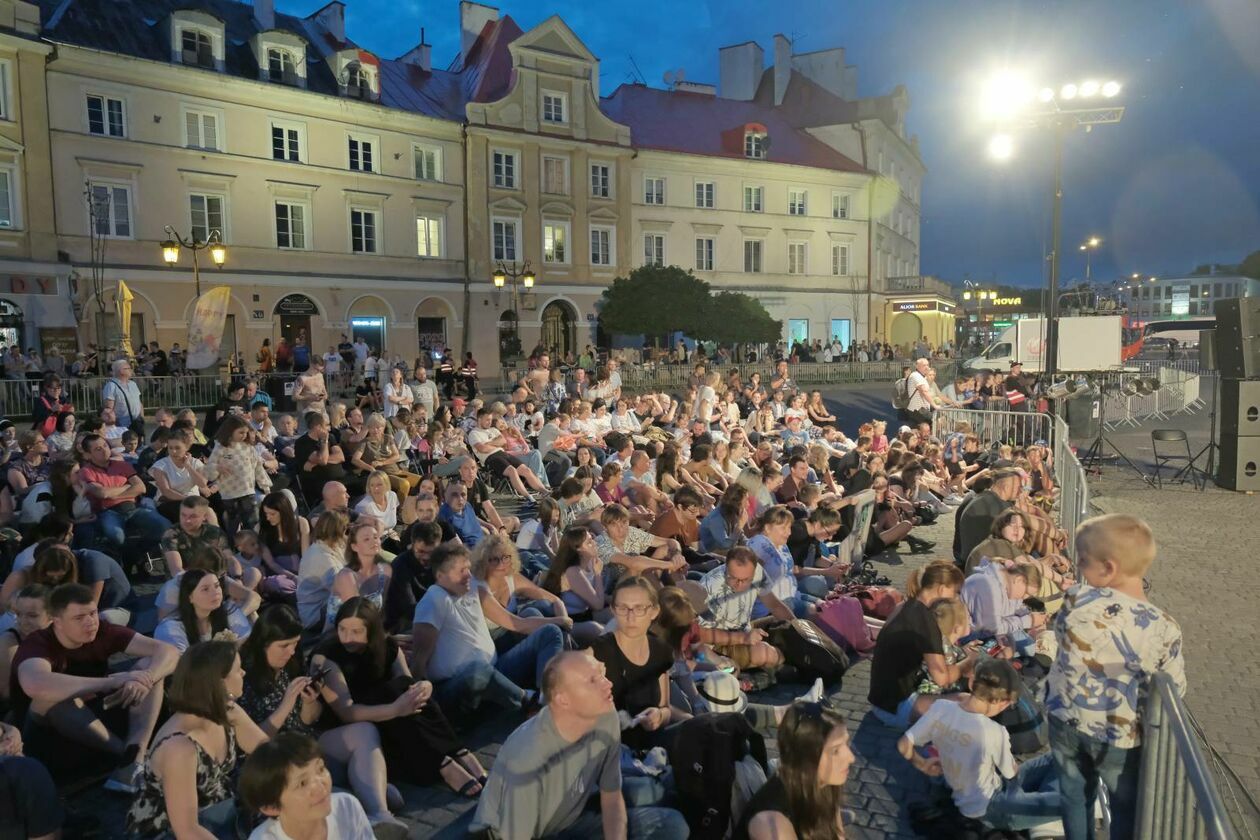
(637, 664)
(514, 605)
(804, 799)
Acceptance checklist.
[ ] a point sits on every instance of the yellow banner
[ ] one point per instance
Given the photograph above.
(205, 333)
(122, 303)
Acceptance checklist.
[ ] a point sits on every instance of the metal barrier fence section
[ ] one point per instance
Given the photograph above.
(808, 374)
(18, 396)
(1177, 796)
(1022, 428)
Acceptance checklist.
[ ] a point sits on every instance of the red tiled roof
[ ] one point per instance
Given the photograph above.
(703, 124)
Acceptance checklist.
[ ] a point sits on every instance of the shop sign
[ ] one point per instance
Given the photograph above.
(1008, 301)
(296, 305)
(915, 306)
(27, 284)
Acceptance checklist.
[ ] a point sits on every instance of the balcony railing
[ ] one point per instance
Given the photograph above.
(917, 283)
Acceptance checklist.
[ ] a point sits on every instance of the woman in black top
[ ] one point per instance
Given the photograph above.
(284, 535)
(368, 680)
(638, 664)
(804, 799)
(280, 697)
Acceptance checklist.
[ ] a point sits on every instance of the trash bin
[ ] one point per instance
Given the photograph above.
(280, 389)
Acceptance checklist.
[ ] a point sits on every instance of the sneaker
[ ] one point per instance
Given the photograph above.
(124, 781)
(816, 692)
(953, 500)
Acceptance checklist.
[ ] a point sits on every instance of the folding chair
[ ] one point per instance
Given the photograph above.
(1177, 439)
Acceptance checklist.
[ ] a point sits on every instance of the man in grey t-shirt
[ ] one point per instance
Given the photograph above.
(548, 769)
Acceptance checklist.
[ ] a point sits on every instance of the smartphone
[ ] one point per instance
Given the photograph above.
(317, 678)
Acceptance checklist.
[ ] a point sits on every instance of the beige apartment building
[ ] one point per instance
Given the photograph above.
(372, 196)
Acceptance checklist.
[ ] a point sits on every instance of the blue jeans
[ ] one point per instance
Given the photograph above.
(501, 682)
(899, 720)
(645, 818)
(147, 525)
(1084, 762)
(816, 586)
(1028, 800)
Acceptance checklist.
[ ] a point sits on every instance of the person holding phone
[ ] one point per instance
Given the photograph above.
(282, 694)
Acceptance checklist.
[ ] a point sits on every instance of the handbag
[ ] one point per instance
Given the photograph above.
(809, 651)
(877, 601)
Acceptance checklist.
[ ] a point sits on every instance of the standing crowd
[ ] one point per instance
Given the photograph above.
(344, 592)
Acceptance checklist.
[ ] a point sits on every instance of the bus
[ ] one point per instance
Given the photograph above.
(1156, 337)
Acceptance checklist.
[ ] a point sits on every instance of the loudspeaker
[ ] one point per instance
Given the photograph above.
(1207, 349)
(1240, 407)
(1238, 337)
(1082, 416)
(1240, 463)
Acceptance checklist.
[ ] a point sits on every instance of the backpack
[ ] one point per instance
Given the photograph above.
(843, 620)
(877, 601)
(1025, 724)
(37, 504)
(901, 393)
(710, 773)
(812, 654)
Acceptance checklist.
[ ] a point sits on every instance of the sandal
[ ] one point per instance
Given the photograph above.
(463, 753)
(463, 790)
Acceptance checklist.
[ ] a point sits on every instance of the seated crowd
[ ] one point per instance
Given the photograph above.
(342, 600)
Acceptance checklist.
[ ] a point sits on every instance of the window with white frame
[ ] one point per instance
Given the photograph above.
(358, 82)
(205, 211)
(504, 169)
(8, 213)
(840, 260)
(653, 190)
(281, 66)
(796, 203)
(555, 107)
(427, 161)
(505, 234)
(287, 141)
(113, 216)
(6, 74)
(601, 180)
(428, 236)
(754, 199)
(752, 255)
(839, 205)
(363, 230)
(602, 242)
(798, 258)
(362, 153)
(756, 143)
(555, 175)
(196, 48)
(291, 225)
(704, 194)
(555, 242)
(704, 253)
(106, 115)
(201, 129)
(653, 249)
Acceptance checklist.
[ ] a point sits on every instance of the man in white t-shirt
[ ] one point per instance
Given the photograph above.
(332, 364)
(451, 644)
(920, 408)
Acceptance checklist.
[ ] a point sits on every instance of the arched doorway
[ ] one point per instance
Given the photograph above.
(12, 325)
(509, 337)
(559, 329)
(434, 318)
(294, 312)
(907, 328)
(368, 317)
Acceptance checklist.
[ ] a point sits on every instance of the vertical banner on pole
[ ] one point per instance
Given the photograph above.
(122, 303)
(205, 333)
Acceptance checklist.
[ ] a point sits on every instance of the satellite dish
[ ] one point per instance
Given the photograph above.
(668, 78)
(680, 74)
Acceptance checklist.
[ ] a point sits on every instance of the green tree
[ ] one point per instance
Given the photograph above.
(1251, 265)
(736, 318)
(655, 300)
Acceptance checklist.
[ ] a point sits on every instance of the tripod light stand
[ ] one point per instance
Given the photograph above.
(1210, 449)
(1092, 457)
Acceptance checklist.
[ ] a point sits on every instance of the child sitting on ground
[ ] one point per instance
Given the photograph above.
(975, 755)
(951, 616)
(994, 596)
(1111, 642)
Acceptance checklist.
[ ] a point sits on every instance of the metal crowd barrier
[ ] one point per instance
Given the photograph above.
(1177, 796)
(17, 396)
(1179, 393)
(1001, 425)
(657, 376)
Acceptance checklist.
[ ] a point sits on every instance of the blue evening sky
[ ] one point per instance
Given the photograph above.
(1175, 184)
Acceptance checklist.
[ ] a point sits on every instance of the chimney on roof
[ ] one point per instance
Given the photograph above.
(473, 18)
(421, 55)
(333, 19)
(265, 14)
(739, 70)
(782, 67)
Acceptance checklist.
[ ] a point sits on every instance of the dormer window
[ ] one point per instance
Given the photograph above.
(756, 144)
(196, 48)
(281, 67)
(358, 82)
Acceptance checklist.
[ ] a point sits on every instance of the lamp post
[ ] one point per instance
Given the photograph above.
(213, 243)
(1088, 247)
(1010, 101)
(521, 275)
